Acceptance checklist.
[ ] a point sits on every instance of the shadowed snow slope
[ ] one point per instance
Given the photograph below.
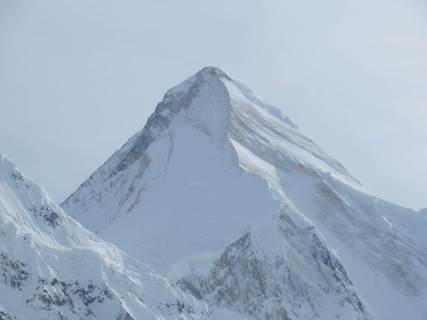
(223, 195)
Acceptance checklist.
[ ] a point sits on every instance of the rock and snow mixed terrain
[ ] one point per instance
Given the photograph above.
(227, 211)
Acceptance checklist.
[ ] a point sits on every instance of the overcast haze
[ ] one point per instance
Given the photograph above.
(77, 78)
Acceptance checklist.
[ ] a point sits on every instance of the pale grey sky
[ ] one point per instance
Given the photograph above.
(77, 78)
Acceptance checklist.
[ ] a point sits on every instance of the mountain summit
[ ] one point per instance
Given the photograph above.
(221, 194)
(232, 121)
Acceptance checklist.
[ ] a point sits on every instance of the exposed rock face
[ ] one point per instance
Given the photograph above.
(13, 273)
(71, 296)
(5, 316)
(272, 286)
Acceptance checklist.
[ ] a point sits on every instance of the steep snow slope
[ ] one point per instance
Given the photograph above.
(52, 268)
(204, 191)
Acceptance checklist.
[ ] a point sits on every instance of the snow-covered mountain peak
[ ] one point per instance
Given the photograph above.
(214, 161)
(212, 70)
(209, 77)
(3, 160)
(7, 167)
(27, 197)
(204, 75)
(212, 104)
(206, 123)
